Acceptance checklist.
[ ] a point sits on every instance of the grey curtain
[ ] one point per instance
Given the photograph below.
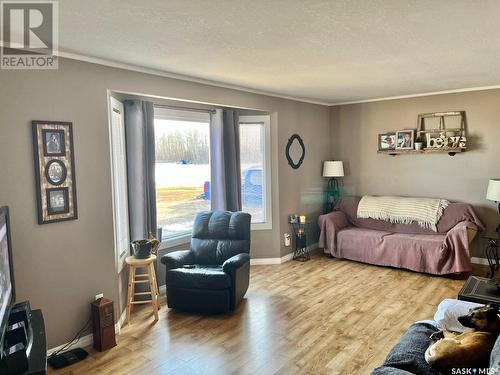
(225, 192)
(140, 142)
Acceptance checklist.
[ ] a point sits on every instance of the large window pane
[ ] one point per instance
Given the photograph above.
(182, 173)
(252, 170)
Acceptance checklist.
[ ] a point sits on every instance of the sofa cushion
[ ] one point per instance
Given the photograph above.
(417, 252)
(200, 277)
(221, 225)
(219, 235)
(407, 356)
(448, 311)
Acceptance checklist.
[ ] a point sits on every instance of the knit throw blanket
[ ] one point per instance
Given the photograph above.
(424, 211)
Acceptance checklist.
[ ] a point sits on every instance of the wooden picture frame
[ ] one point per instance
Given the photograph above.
(387, 141)
(405, 139)
(54, 161)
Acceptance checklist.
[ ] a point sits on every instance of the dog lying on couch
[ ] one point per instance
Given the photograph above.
(408, 355)
(469, 349)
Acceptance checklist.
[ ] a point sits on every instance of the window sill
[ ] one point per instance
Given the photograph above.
(261, 226)
(175, 241)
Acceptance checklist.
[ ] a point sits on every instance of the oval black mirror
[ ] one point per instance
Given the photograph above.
(295, 151)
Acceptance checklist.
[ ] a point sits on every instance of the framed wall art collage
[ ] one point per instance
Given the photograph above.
(54, 171)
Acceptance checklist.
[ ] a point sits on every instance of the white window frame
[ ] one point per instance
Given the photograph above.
(180, 115)
(118, 162)
(265, 120)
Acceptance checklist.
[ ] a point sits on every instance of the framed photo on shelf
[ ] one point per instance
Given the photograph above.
(404, 139)
(386, 141)
(54, 171)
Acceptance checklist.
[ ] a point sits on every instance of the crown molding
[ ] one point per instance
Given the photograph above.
(468, 89)
(161, 73)
(135, 68)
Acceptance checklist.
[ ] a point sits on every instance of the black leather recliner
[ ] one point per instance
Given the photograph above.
(213, 276)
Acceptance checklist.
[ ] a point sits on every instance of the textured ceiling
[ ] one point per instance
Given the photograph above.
(326, 51)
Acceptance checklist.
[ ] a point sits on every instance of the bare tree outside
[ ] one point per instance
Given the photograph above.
(191, 146)
(182, 166)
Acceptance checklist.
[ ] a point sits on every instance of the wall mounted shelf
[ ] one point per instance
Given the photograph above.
(432, 130)
(449, 151)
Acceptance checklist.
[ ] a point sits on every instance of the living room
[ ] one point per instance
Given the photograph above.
(321, 82)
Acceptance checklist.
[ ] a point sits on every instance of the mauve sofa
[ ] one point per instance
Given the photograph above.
(344, 235)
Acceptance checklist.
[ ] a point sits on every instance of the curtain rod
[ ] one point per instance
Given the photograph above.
(185, 108)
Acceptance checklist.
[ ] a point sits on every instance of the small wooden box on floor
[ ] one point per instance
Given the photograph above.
(103, 323)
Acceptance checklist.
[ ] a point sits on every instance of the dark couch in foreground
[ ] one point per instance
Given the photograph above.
(407, 356)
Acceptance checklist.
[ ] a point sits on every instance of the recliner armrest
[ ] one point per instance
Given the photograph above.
(177, 259)
(235, 262)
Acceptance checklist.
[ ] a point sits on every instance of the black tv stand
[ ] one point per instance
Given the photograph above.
(25, 346)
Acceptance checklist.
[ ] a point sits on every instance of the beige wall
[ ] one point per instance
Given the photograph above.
(60, 267)
(463, 177)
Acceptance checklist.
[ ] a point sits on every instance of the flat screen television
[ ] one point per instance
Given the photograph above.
(7, 291)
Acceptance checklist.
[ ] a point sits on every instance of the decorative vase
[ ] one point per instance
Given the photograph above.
(418, 145)
(141, 249)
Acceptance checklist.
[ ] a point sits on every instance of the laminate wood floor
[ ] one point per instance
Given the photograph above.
(324, 316)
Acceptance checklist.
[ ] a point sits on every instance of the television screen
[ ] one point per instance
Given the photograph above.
(6, 284)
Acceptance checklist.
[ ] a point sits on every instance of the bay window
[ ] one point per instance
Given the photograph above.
(182, 170)
(255, 158)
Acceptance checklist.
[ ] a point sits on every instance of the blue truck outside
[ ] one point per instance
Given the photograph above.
(251, 187)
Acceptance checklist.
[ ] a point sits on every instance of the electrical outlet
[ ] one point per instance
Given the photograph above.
(100, 295)
(287, 239)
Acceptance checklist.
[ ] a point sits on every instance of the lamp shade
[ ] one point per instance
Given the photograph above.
(333, 169)
(493, 193)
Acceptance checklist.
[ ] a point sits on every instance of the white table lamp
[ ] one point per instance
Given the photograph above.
(332, 169)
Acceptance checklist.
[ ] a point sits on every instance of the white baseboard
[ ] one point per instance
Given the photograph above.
(89, 339)
(283, 259)
(477, 260)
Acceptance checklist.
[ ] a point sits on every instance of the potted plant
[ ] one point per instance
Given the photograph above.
(419, 142)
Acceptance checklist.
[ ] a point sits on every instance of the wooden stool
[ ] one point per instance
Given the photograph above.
(150, 278)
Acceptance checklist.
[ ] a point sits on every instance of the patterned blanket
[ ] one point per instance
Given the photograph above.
(424, 211)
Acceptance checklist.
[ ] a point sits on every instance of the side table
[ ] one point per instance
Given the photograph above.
(147, 278)
(491, 252)
(300, 252)
(480, 290)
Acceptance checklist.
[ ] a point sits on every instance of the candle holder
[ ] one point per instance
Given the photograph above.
(300, 253)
